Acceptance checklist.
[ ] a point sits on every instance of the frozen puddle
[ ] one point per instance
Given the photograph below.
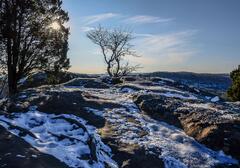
(66, 137)
(177, 149)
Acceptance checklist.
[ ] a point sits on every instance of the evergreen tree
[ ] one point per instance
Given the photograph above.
(234, 90)
(32, 37)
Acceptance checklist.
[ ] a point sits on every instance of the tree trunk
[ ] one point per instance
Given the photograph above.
(118, 68)
(12, 76)
(13, 43)
(12, 81)
(109, 70)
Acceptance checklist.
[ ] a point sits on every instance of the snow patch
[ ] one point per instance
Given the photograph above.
(94, 111)
(178, 149)
(187, 97)
(22, 80)
(215, 99)
(20, 156)
(127, 90)
(66, 137)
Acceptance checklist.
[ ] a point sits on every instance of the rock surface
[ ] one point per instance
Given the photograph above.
(16, 153)
(210, 124)
(143, 120)
(87, 83)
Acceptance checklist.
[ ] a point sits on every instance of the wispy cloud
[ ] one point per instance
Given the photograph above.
(167, 49)
(171, 49)
(143, 19)
(86, 28)
(137, 19)
(98, 18)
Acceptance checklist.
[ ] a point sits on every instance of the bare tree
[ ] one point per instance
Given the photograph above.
(115, 46)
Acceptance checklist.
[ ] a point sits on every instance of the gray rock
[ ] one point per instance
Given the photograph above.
(216, 127)
(87, 83)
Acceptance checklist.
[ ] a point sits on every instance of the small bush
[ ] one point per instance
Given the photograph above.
(234, 90)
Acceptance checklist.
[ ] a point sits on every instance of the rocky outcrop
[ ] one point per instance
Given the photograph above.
(214, 125)
(16, 153)
(130, 155)
(58, 101)
(181, 86)
(138, 140)
(48, 78)
(214, 129)
(158, 107)
(129, 88)
(87, 83)
(129, 78)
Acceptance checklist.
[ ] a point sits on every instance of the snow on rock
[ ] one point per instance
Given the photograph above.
(94, 111)
(215, 99)
(169, 94)
(178, 149)
(22, 96)
(20, 156)
(59, 136)
(158, 89)
(127, 90)
(207, 97)
(22, 80)
(201, 105)
(66, 137)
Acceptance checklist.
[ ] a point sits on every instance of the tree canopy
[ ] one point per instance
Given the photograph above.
(33, 36)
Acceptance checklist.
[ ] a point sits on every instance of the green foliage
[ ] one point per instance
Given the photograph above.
(52, 79)
(57, 77)
(234, 90)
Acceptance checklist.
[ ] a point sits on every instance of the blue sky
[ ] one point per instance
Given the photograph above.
(171, 35)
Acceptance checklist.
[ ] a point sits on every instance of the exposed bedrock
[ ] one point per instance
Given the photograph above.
(215, 127)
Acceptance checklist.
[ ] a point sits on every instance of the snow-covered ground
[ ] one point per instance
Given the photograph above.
(59, 136)
(178, 149)
(162, 89)
(66, 137)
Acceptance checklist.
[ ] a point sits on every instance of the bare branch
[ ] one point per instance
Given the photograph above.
(115, 46)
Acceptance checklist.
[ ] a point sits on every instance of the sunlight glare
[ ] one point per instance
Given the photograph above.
(55, 25)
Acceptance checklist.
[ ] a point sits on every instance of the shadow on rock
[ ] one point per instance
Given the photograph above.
(16, 153)
(217, 129)
(59, 101)
(130, 155)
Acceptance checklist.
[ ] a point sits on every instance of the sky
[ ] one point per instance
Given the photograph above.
(170, 35)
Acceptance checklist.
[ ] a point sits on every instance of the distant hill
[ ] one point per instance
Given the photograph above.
(199, 80)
